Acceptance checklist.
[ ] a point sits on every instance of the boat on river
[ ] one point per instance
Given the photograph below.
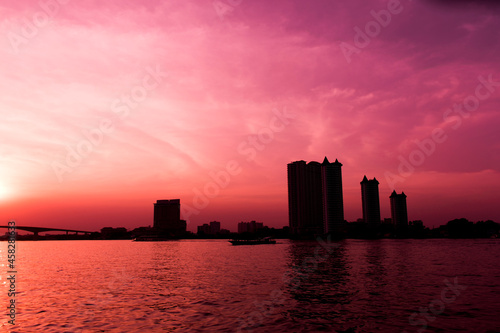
(153, 238)
(265, 240)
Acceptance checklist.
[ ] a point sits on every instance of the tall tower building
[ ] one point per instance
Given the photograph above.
(370, 201)
(399, 212)
(333, 202)
(167, 216)
(305, 205)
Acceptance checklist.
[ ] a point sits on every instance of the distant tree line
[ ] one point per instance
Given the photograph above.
(463, 228)
(457, 228)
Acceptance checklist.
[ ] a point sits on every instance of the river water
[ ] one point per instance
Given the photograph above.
(435, 285)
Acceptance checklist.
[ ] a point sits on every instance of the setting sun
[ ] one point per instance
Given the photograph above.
(5, 193)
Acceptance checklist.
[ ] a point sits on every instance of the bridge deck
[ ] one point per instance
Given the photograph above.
(37, 230)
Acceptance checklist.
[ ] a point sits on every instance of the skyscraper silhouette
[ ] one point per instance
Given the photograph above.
(399, 212)
(333, 202)
(305, 205)
(315, 201)
(370, 201)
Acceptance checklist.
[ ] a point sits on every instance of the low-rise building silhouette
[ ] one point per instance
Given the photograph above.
(204, 229)
(214, 228)
(209, 229)
(114, 233)
(249, 227)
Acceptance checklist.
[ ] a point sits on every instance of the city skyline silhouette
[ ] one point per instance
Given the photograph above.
(250, 166)
(211, 112)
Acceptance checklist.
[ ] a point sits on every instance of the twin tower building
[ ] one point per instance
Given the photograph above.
(316, 205)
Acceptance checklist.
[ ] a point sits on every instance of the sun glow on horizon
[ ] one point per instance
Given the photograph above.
(6, 193)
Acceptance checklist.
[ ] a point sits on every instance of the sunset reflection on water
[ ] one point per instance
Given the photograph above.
(209, 285)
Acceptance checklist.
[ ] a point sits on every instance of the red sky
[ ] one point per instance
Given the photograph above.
(173, 91)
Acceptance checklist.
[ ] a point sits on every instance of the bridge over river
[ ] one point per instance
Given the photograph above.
(37, 230)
